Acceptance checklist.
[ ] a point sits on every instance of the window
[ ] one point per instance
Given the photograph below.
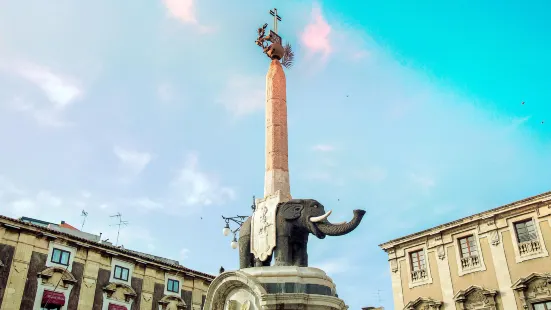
(468, 246)
(60, 257)
(174, 286)
(417, 260)
(121, 273)
(526, 231)
(546, 305)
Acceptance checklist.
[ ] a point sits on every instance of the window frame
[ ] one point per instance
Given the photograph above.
(468, 244)
(532, 215)
(169, 280)
(428, 279)
(60, 246)
(544, 303)
(472, 231)
(122, 268)
(60, 256)
(517, 235)
(174, 277)
(123, 264)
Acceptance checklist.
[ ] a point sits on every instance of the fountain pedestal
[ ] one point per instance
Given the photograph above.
(274, 287)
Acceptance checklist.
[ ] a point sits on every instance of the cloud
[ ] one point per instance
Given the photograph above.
(519, 121)
(184, 11)
(195, 188)
(316, 35)
(60, 90)
(333, 266)
(323, 148)
(243, 95)
(133, 161)
(184, 254)
(426, 183)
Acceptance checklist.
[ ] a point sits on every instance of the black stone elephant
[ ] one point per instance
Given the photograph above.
(295, 221)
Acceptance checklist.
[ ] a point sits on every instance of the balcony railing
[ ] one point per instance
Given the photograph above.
(470, 262)
(419, 275)
(529, 247)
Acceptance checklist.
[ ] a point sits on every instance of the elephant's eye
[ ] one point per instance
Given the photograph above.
(297, 209)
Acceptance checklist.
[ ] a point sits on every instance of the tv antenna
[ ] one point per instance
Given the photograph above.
(121, 223)
(84, 214)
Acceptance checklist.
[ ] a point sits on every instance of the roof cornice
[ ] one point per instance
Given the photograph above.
(544, 197)
(50, 233)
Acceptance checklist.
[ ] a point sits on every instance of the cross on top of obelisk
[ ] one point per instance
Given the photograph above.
(276, 18)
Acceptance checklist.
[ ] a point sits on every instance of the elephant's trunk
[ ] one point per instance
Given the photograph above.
(341, 229)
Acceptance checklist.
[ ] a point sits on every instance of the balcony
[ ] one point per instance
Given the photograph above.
(470, 262)
(419, 275)
(528, 248)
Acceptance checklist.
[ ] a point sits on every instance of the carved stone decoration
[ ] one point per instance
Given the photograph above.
(53, 275)
(476, 297)
(535, 287)
(170, 302)
(394, 265)
(441, 252)
(263, 227)
(423, 303)
(120, 292)
(494, 237)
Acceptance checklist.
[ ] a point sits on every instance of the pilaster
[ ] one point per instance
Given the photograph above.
(502, 272)
(396, 277)
(89, 280)
(18, 272)
(148, 288)
(445, 278)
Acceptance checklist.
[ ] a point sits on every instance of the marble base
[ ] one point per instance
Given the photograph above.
(274, 287)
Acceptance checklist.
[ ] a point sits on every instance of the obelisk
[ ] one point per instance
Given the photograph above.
(276, 176)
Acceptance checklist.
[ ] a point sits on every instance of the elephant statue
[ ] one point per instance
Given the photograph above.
(295, 220)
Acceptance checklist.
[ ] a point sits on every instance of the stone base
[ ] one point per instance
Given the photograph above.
(273, 287)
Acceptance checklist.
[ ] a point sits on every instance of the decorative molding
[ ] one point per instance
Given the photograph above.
(522, 206)
(476, 297)
(533, 288)
(67, 278)
(172, 300)
(394, 265)
(494, 237)
(423, 303)
(441, 250)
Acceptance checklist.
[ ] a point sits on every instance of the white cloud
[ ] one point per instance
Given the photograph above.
(60, 90)
(184, 254)
(244, 95)
(193, 187)
(316, 35)
(185, 12)
(333, 266)
(426, 183)
(323, 148)
(133, 161)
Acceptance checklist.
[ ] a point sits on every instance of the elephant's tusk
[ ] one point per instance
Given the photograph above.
(320, 218)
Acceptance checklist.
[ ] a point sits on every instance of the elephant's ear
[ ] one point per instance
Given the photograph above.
(291, 211)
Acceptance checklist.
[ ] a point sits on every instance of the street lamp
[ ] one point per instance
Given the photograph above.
(239, 220)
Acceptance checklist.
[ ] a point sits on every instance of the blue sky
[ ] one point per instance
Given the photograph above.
(410, 111)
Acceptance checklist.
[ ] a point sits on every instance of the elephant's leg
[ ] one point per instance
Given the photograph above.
(245, 255)
(283, 251)
(300, 254)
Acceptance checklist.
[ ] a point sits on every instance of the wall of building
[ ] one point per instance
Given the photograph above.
(501, 266)
(24, 255)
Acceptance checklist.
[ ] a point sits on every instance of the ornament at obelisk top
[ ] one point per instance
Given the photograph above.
(275, 50)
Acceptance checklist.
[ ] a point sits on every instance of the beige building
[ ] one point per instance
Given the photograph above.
(498, 259)
(50, 266)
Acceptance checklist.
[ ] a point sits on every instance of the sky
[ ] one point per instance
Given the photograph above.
(411, 111)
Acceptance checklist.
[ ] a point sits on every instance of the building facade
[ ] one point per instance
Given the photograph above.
(498, 259)
(45, 266)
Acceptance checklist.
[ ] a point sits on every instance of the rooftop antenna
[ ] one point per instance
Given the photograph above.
(84, 214)
(121, 223)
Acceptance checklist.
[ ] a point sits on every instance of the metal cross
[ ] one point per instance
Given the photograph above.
(276, 18)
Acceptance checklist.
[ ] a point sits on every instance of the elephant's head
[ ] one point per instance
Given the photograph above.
(312, 216)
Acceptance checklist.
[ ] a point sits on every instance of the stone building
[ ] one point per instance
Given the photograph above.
(497, 259)
(49, 266)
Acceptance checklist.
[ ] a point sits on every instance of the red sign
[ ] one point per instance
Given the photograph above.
(116, 307)
(53, 298)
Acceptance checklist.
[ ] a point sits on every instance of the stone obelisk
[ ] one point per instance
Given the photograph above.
(277, 156)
